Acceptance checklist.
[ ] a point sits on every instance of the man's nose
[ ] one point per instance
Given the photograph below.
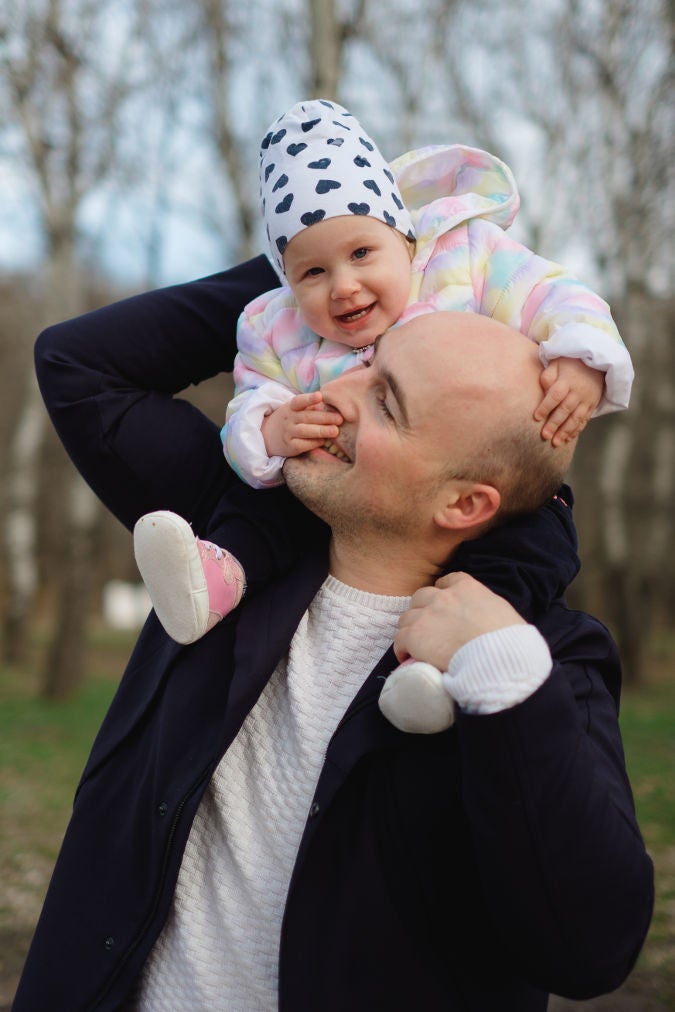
(345, 392)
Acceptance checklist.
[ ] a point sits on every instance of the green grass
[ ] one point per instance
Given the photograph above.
(43, 748)
(648, 727)
(43, 745)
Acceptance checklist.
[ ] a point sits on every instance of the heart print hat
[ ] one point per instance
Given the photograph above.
(317, 162)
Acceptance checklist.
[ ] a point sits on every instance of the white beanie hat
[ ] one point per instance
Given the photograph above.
(317, 162)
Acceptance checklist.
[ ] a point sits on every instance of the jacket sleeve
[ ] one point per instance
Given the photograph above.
(560, 854)
(537, 297)
(243, 441)
(109, 378)
(260, 386)
(542, 300)
(270, 368)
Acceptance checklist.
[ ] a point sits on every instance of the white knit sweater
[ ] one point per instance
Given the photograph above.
(219, 948)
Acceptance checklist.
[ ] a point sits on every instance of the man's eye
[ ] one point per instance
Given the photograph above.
(382, 405)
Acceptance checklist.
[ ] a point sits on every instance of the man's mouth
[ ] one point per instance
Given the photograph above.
(355, 314)
(335, 450)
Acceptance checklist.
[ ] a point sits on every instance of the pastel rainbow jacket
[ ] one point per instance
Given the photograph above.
(461, 200)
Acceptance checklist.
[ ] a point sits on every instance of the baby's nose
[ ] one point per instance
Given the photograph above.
(345, 283)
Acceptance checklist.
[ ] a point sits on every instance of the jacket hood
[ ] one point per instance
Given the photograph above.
(445, 185)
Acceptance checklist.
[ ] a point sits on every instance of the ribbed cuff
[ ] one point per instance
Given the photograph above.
(499, 669)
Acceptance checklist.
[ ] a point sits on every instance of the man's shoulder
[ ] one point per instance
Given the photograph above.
(580, 640)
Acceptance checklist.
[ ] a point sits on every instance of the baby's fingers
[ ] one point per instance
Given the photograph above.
(321, 417)
(300, 402)
(571, 427)
(314, 431)
(553, 398)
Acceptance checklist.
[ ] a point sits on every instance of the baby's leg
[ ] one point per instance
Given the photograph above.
(193, 583)
(267, 530)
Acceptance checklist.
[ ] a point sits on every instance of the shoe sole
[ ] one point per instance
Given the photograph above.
(168, 560)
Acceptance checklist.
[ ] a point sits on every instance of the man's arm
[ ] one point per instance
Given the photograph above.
(544, 783)
(108, 380)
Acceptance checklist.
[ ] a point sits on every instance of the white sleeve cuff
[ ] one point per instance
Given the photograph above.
(245, 448)
(499, 669)
(598, 350)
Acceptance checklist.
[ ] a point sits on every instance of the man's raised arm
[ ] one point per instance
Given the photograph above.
(108, 380)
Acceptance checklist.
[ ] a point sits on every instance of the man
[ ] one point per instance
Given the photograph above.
(247, 811)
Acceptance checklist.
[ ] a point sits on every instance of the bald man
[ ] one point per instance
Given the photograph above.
(438, 444)
(250, 831)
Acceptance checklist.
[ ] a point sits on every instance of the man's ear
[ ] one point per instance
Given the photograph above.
(466, 505)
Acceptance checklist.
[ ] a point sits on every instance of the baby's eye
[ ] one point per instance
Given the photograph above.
(313, 272)
(360, 253)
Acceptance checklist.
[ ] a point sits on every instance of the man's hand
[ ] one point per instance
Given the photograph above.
(572, 393)
(442, 618)
(301, 424)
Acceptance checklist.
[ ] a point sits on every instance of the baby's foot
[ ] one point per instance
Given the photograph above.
(415, 700)
(192, 583)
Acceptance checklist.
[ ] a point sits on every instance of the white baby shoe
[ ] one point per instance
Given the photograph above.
(415, 700)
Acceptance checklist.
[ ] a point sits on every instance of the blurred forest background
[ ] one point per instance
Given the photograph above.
(129, 135)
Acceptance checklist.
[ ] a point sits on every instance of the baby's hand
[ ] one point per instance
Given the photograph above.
(301, 424)
(572, 393)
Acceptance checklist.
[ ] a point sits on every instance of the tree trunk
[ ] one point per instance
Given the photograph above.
(21, 484)
(326, 39)
(620, 565)
(65, 666)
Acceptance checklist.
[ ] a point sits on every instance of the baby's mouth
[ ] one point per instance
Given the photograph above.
(355, 314)
(335, 450)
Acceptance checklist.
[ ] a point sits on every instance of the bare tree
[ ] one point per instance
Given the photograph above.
(239, 88)
(626, 194)
(332, 28)
(68, 71)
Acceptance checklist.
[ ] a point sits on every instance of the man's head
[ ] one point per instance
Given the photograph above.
(317, 163)
(438, 440)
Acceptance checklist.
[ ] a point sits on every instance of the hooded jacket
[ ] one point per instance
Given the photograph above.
(461, 201)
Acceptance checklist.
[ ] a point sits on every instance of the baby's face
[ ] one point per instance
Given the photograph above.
(351, 277)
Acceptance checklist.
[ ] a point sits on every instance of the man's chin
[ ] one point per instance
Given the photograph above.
(308, 485)
(292, 464)
(293, 471)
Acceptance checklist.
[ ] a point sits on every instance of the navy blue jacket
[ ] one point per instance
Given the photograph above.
(475, 869)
